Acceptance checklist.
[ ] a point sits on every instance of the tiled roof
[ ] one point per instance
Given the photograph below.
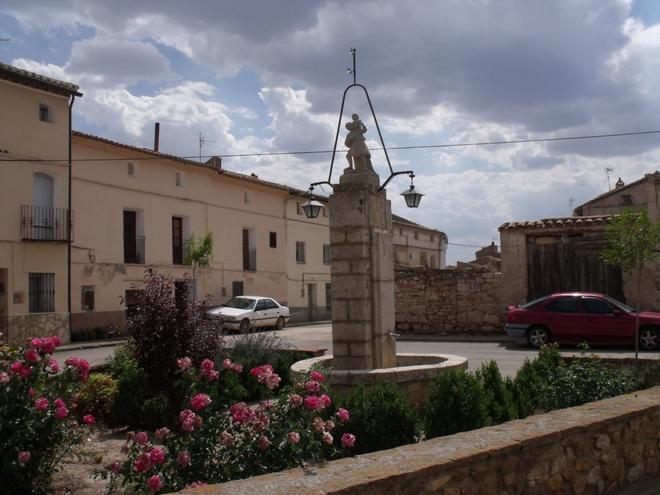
(652, 176)
(560, 222)
(27, 78)
(405, 221)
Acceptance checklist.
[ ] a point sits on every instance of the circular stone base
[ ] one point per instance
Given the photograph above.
(412, 374)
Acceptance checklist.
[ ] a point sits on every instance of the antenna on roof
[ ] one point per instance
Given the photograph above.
(608, 171)
(571, 202)
(202, 142)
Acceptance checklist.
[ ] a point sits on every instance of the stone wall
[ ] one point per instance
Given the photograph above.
(595, 448)
(449, 301)
(22, 328)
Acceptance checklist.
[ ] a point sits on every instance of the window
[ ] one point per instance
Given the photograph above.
(237, 288)
(261, 305)
(44, 113)
(41, 292)
(132, 300)
(416, 235)
(247, 197)
(133, 237)
(433, 264)
(422, 259)
(177, 240)
(563, 305)
(300, 251)
(272, 239)
(249, 250)
(328, 297)
(432, 238)
(596, 306)
(130, 167)
(326, 254)
(87, 298)
(626, 200)
(179, 179)
(270, 304)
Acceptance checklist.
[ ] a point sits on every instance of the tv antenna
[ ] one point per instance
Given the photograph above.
(571, 202)
(202, 142)
(608, 171)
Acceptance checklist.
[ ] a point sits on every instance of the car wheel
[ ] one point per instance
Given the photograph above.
(649, 338)
(538, 336)
(244, 327)
(279, 324)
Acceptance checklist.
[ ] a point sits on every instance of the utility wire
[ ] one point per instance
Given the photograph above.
(317, 152)
(463, 245)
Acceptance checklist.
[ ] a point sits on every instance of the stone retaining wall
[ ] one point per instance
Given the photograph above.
(449, 301)
(595, 448)
(22, 328)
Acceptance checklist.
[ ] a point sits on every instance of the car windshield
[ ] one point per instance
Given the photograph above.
(619, 304)
(240, 303)
(533, 303)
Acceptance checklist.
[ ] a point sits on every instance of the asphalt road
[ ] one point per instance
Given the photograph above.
(509, 356)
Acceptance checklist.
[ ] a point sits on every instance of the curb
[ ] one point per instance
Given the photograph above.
(452, 338)
(91, 345)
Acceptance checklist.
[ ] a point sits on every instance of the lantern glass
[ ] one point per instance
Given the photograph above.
(312, 208)
(412, 197)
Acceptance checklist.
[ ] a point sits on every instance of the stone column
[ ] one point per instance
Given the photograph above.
(362, 275)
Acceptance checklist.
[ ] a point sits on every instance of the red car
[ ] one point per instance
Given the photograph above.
(581, 316)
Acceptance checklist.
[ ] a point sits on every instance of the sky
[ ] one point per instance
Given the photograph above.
(268, 76)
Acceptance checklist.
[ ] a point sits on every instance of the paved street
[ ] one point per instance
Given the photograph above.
(509, 357)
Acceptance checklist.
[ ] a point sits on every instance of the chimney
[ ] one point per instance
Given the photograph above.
(215, 162)
(156, 135)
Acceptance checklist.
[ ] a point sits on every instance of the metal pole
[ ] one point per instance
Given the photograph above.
(68, 220)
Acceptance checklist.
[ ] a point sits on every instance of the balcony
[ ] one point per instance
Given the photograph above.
(44, 223)
(134, 250)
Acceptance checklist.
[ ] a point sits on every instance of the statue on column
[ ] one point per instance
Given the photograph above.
(358, 156)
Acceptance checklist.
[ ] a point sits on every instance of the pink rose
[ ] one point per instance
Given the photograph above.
(4, 377)
(41, 404)
(25, 372)
(227, 364)
(188, 420)
(61, 412)
(200, 401)
(296, 400)
(24, 457)
(56, 341)
(329, 425)
(80, 365)
(31, 355)
(211, 375)
(141, 438)
(53, 365)
(313, 403)
(207, 365)
(59, 402)
(343, 415)
(142, 463)
(261, 370)
(263, 442)
(156, 455)
(241, 413)
(237, 368)
(317, 376)
(294, 437)
(325, 400)
(347, 440)
(272, 381)
(327, 437)
(154, 483)
(184, 363)
(31, 393)
(312, 386)
(89, 419)
(161, 433)
(183, 459)
(36, 343)
(318, 424)
(226, 439)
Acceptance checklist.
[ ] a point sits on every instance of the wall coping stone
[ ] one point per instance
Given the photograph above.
(399, 470)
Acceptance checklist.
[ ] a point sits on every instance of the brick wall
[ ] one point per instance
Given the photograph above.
(449, 301)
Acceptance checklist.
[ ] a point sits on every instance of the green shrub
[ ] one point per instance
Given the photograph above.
(500, 406)
(97, 396)
(457, 402)
(381, 418)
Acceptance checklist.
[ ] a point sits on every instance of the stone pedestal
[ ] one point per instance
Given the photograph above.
(362, 278)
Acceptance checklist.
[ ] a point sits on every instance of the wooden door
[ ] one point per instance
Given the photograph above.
(177, 240)
(130, 240)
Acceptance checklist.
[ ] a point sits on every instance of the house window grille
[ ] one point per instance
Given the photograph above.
(326, 254)
(41, 292)
(300, 252)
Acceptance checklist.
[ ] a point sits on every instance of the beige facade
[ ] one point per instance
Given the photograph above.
(134, 210)
(416, 245)
(34, 124)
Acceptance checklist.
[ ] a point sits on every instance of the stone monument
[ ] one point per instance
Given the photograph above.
(362, 286)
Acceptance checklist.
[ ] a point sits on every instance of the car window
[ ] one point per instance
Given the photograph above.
(620, 305)
(534, 302)
(270, 304)
(240, 303)
(563, 305)
(261, 305)
(596, 306)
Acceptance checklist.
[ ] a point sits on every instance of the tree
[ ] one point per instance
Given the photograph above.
(198, 255)
(632, 240)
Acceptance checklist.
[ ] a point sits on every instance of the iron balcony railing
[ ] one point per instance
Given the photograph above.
(45, 223)
(134, 250)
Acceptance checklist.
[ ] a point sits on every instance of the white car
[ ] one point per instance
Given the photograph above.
(244, 313)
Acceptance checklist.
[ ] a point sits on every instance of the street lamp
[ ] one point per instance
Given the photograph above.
(411, 195)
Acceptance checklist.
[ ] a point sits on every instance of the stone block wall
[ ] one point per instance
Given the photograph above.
(449, 301)
(597, 448)
(23, 328)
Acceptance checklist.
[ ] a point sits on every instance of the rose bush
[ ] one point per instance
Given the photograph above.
(215, 442)
(37, 424)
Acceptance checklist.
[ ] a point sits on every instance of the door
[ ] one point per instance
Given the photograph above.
(177, 240)
(263, 315)
(312, 305)
(601, 323)
(130, 244)
(562, 317)
(43, 215)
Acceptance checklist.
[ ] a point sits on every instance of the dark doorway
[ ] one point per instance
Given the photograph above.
(236, 288)
(130, 247)
(177, 240)
(567, 263)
